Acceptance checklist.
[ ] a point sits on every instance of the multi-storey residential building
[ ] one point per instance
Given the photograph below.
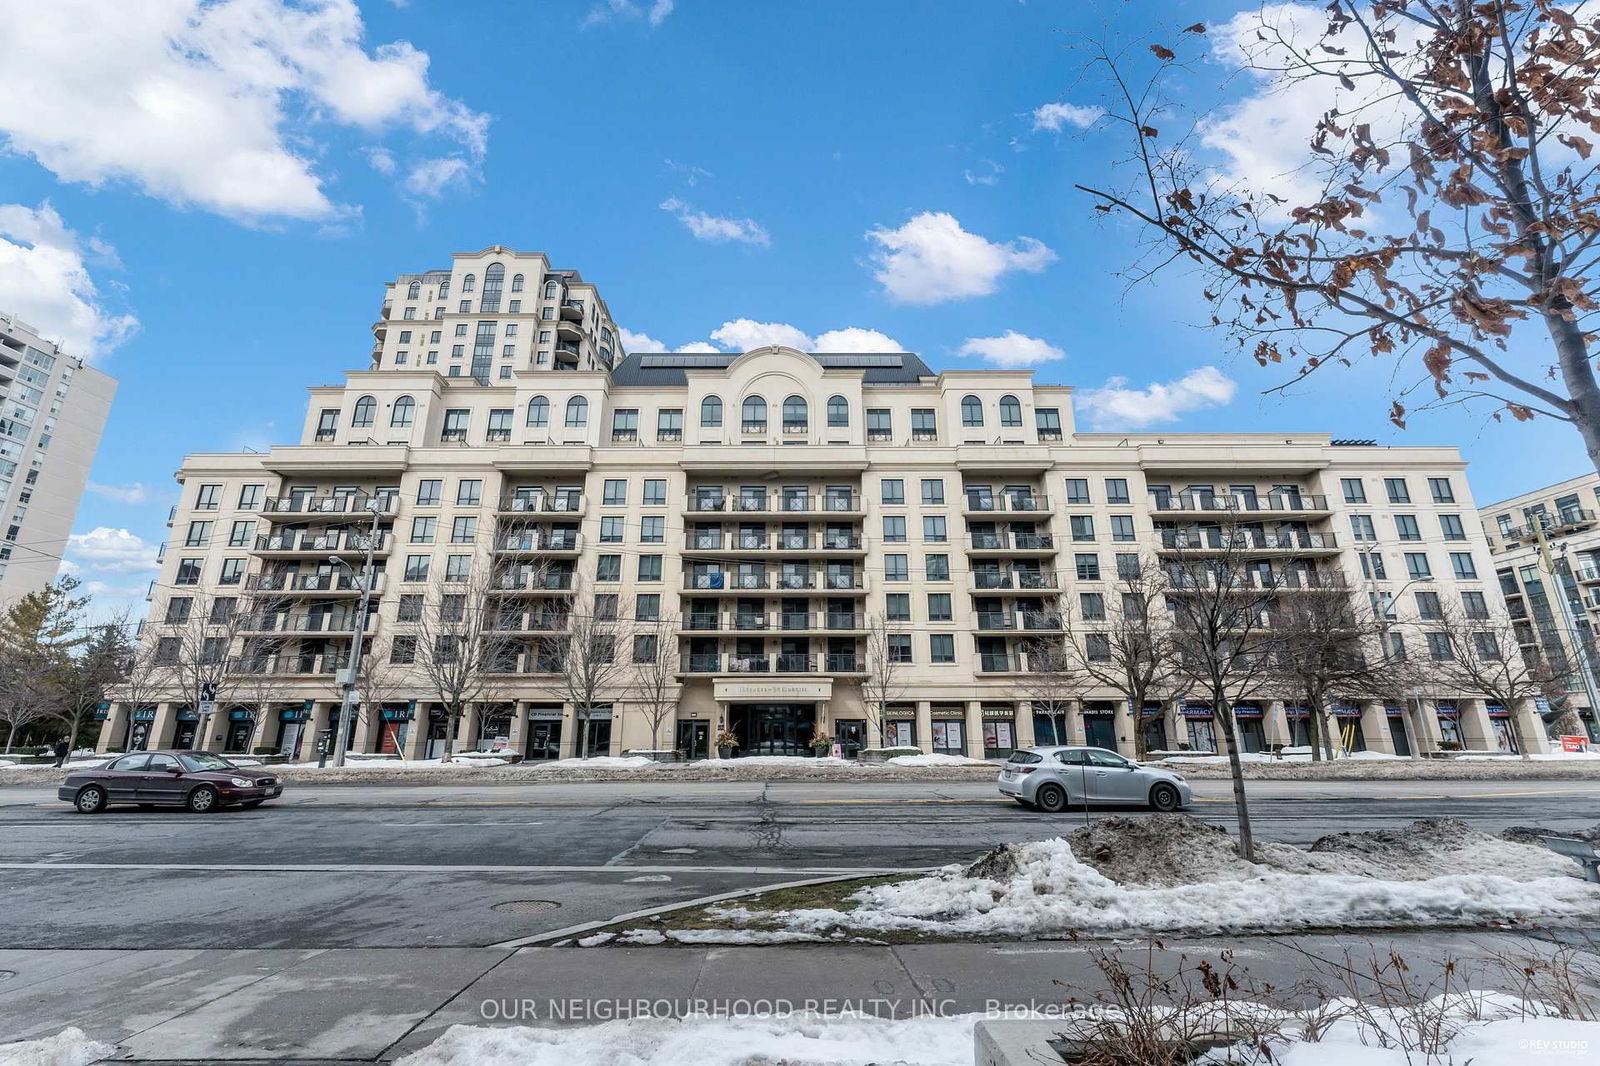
(1560, 629)
(52, 411)
(783, 512)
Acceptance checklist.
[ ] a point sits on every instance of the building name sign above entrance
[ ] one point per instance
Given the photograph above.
(772, 690)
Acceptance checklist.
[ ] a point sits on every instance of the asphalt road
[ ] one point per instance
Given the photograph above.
(425, 866)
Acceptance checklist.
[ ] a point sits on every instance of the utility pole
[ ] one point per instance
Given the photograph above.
(347, 676)
(1559, 567)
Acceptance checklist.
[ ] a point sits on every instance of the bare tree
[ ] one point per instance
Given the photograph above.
(590, 655)
(145, 678)
(1448, 205)
(655, 667)
(1051, 679)
(204, 643)
(1482, 657)
(1327, 641)
(460, 652)
(1219, 583)
(87, 677)
(1133, 651)
(881, 684)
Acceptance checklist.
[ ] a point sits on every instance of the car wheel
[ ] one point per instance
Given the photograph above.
(203, 800)
(1164, 798)
(1051, 798)
(90, 799)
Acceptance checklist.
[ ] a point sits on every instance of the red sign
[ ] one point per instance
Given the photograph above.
(1574, 743)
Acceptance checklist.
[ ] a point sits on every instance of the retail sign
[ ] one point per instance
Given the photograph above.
(537, 714)
(772, 690)
(1571, 743)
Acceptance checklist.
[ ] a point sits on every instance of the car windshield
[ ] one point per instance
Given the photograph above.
(204, 761)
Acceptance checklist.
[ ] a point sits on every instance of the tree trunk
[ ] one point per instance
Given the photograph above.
(450, 735)
(1241, 805)
(1316, 729)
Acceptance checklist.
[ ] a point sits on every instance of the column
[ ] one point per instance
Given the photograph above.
(1275, 724)
(925, 725)
(1476, 732)
(1424, 717)
(114, 730)
(1023, 725)
(369, 720)
(165, 725)
(1172, 724)
(1375, 727)
(321, 713)
(1531, 726)
(1073, 726)
(519, 729)
(416, 745)
(974, 729)
(467, 728)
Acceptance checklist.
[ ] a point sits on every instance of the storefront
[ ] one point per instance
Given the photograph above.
(693, 739)
(291, 730)
(187, 725)
(241, 727)
(1247, 719)
(851, 735)
(949, 728)
(139, 726)
(593, 732)
(438, 733)
(1298, 719)
(1347, 718)
(1153, 727)
(1449, 726)
(900, 726)
(1049, 728)
(394, 726)
(1399, 735)
(1100, 725)
(1500, 724)
(773, 728)
(544, 732)
(1201, 729)
(999, 730)
(494, 728)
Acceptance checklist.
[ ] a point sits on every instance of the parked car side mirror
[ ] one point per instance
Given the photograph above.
(174, 769)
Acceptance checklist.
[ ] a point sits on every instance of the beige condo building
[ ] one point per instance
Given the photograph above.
(780, 509)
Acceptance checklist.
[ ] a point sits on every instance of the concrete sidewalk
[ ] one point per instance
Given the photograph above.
(361, 1005)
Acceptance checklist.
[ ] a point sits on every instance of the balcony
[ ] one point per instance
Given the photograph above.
(1021, 581)
(782, 621)
(1230, 503)
(744, 542)
(1006, 502)
(329, 584)
(534, 581)
(669, 436)
(624, 436)
(569, 329)
(572, 310)
(518, 622)
(525, 665)
(1001, 663)
(530, 541)
(542, 503)
(292, 665)
(338, 503)
(302, 543)
(1215, 541)
(1011, 544)
(773, 503)
(343, 623)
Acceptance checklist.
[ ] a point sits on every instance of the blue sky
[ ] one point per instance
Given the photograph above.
(213, 222)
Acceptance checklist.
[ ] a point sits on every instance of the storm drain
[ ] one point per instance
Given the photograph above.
(525, 906)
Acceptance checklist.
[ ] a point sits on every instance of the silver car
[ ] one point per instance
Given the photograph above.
(1052, 778)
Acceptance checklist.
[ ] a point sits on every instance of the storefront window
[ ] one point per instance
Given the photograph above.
(949, 738)
(900, 734)
(998, 740)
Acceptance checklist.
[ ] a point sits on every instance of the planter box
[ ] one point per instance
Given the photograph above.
(656, 756)
(369, 756)
(885, 754)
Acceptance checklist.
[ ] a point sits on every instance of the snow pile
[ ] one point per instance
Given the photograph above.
(1171, 874)
(70, 1047)
(749, 1040)
(777, 760)
(600, 762)
(936, 759)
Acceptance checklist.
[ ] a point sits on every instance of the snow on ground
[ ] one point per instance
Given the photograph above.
(70, 1047)
(935, 759)
(1487, 1029)
(600, 762)
(1287, 755)
(456, 763)
(776, 760)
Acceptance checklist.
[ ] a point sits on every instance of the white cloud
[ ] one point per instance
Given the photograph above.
(743, 334)
(1115, 404)
(987, 174)
(931, 260)
(855, 339)
(382, 160)
(44, 280)
(217, 105)
(717, 229)
(655, 13)
(1056, 115)
(130, 494)
(431, 178)
(1012, 350)
(112, 551)
(700, 347)
(640, 342)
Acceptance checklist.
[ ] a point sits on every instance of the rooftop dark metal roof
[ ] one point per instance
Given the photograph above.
(668, 368)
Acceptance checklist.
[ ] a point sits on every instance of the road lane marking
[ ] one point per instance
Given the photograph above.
(454, 825)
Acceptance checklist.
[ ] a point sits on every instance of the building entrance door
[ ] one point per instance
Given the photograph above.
(773, 728)
(1100, 731)
(851, 734)
(694, 739)
(239, 734)
(544, 740)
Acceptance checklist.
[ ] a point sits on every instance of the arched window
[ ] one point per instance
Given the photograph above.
(366, 407)
(711, 411)
(795, 417)
(414, 291)
(444, 288)
(971, 411)
(838, 412)
(516, 283)
(754, 414)
(468, 283)
(405, 408)
(577, 411)
(1010, 411)
(551, 289)
(539, 411)
(494, 280)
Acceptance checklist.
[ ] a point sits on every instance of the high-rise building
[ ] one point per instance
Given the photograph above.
(1560, 629)
(776, 526)
(52, 411)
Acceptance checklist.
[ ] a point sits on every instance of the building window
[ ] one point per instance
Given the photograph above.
(1047, 422)
(753, 416)
(1082, 527)
(934, 530)
(1122, 527)
(241, 534)
(933, 490)
(577, 412)
(1354, 491)
(422, 529)
(463, 530)
(499, 424)
(711, 411)
(1450, 525)
(209, 498)
(402, 413)
(1462, 565)
(1439, 488)
(652, 529)
(410, 609)
(469, 492)
(1097, 647)
(416, 568)
(403, 650)
(937, 567)
(939, 608)
(1406, 526)
(179, 609)
(896, 568)
(924, 424)
(942, 648)
(647, 607)
(250, 496)
(1010, 411)
(649, 568)
(899, 647)
(608, 568)
(893, 490)
(1092, 605)
(1128, 567)
(1088, 566)
(1372, 566)
(879, 424)
(455, 424)
(428, 492)
(232, 572)
(198, 536)
(1417, 566)
(366, 410)
(625, 424)
(669, 424)
(1475, 605)
(795, 417)
(1429, 606)
(1439, 647)
(971, 411)
(457, 567)
(539, 411)
(188, 572)
(1077, 490)
(897, 606)
(611, 529)
(894, 529)
(615, 492)
(1397, 490)
(516, 283)
(1117, 490)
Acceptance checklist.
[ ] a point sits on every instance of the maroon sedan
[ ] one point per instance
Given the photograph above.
(196, 780)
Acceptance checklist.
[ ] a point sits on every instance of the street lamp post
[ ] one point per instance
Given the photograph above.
(347, 679)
